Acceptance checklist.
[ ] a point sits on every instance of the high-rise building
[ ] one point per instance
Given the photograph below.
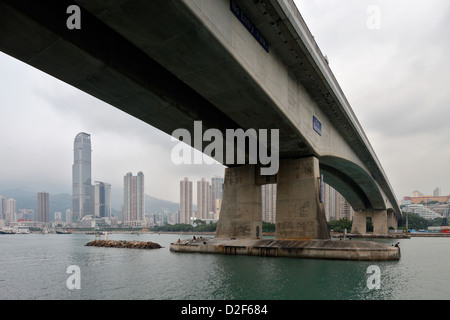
(185, 201)
(203, 199)
(102, 196)
(83, 191)
(43, 207)
(69, 216)
(335, 205)
(269, 202)
(216, 194)
(437, 192)
(133, 198)
(11, 210)
(2, 207)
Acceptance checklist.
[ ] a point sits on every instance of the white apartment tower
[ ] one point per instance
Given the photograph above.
(203, 199)
(133, 198)
(185, 201)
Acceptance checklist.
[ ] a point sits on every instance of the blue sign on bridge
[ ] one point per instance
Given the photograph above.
(317, 126)
(249, 25)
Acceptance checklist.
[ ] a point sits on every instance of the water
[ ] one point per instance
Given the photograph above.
(34, 267)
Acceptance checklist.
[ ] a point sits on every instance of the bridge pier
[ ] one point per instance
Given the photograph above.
(300, 214)
(241, 209)
(379, 219)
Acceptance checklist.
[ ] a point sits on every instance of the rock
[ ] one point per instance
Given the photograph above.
(123, 244)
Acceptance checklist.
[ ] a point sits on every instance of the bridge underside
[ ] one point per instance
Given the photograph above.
(300, 211)
(140, 59)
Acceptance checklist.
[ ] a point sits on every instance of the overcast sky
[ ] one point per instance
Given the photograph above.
(388, 56)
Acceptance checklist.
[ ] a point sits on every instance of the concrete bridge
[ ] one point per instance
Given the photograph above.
(243, 64)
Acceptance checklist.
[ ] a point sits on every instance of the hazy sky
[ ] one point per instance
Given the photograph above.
(388, 56)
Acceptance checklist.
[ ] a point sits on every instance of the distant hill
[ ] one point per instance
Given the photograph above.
(27, 199)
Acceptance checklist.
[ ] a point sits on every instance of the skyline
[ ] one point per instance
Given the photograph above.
(394, 78)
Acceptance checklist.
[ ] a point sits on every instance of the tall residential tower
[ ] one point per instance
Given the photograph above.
(185, 201)
(43, 207)
(83, 191)
(133, 198)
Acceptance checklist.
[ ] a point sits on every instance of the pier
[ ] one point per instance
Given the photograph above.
(312, 249)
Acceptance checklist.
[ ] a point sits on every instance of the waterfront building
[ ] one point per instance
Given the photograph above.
(203, 199)
(425, 199)
(26, 215)
(102, 199)
(133, 199)
(422, 211)
(185, 201)
(43, 207)
(82, 189)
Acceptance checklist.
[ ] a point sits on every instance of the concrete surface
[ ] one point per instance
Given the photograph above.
(311, 249)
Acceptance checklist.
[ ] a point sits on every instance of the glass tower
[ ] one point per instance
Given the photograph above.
(82, 196)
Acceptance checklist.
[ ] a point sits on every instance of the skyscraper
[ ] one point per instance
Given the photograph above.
(133, 198)
(203, 199)
(43, 207)
(11, 210)
(2, 207)
(185, 201)
(216, 193)
(269, 202)
(102, 196)
(82, 197)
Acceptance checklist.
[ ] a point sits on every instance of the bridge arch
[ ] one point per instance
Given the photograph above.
(354, 183)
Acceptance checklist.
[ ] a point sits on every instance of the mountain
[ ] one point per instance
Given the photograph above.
(27, 199)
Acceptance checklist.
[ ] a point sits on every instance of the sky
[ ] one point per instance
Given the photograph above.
(389, 57)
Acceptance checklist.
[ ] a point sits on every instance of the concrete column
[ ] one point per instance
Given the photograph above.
(300, 215)
(359, 222)
(380, 222)
(392, 219)
(241, 209)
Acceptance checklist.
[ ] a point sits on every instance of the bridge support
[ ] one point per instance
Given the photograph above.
(379, 220)
(392, 219)
(300, 214)
(241, 209)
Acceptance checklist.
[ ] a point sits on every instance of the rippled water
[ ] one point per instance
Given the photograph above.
(34, 267)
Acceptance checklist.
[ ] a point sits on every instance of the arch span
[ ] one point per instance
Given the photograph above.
(354, 183)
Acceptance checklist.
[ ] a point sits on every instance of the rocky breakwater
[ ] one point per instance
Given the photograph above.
(124, 244)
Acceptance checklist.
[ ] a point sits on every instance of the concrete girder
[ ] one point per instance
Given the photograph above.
(169, 84)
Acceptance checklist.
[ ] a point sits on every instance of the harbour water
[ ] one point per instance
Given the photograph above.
(34, 267)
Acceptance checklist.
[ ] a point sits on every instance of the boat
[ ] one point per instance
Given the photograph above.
(63, 232)
(22, 230)
(7, 231)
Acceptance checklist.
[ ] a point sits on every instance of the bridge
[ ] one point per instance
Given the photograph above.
(231, 64)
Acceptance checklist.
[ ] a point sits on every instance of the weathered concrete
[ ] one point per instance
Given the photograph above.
(240, 213)
(313, 249)
(381, 220)
(300, 214)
